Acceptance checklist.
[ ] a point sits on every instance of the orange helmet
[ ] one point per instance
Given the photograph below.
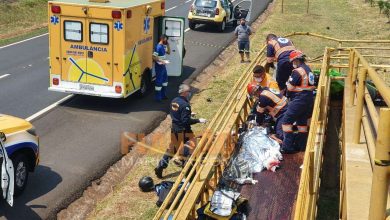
(252, 88)
(296, 54)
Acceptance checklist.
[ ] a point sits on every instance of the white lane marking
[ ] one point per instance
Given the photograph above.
(186, 30)
(188, 1)
(23, 41)
(171, 8)
(48, 108)
(5, 75)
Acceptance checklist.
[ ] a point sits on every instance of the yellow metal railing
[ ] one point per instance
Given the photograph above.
(309, 184)
(216, 145)
(376, 129)
(211, 155)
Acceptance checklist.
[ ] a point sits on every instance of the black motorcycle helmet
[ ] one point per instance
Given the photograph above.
(146, 184)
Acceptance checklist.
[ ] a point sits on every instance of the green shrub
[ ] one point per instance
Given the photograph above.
(381, 5)
(386, 10)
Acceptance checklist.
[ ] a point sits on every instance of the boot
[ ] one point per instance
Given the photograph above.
(157, 96)
(158, 171)
(164, 93)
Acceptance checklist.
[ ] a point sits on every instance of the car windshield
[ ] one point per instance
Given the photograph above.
(206, 3)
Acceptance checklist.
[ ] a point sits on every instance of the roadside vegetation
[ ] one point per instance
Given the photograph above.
(351, 19)
(21, 19)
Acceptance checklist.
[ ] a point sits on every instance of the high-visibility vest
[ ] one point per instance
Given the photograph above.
(279, 102)
(280, 49)
(305, 84)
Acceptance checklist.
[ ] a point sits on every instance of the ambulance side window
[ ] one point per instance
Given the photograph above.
(98, 33)
(73, 31)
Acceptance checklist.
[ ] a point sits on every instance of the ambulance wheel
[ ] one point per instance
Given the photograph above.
(191, 25)
(21, 170)
(145, 84)
(222, 26)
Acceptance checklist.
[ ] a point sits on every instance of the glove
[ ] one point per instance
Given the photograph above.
(202, 120)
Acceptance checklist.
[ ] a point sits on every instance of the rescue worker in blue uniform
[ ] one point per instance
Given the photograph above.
(270, 101)
(181, 132)
(300, 87)
(278, 50)
(161, 81)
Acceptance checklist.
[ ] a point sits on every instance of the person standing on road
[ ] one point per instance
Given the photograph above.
(242, 33)
(181, 132)
(161, 81)
(278, 50)
(300, 88)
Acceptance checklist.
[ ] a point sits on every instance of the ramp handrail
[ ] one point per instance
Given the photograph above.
(215, 147)
(376, 129)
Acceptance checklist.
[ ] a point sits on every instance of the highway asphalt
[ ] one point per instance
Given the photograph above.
(79, 139)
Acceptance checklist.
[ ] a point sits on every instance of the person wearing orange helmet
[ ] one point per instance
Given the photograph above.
(300, 87)
(269, 102)
(278, 50)
(264, 79)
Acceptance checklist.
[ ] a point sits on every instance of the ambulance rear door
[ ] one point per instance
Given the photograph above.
(73, 49)
(99, 54)
(173, 27)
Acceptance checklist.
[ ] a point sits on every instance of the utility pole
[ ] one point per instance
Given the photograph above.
(307, 8)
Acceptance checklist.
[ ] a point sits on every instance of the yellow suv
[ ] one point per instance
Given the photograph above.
(217, 12)
(19, 154)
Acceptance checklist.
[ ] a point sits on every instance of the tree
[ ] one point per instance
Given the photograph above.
(381, 5)
(386, 10)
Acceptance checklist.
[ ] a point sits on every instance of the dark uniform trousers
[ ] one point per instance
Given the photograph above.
(178, 139)
(299, 110)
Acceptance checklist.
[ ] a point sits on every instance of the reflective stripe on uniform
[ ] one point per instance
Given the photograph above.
(165, 84)
(279, 102)
(157, 88)
(278, 49)
(304, 82)
(287, 128)
(302, 129)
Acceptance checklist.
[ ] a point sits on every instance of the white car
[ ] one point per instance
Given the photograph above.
(19, 153)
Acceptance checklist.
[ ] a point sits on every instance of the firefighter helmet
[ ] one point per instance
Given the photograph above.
(146, 184)
(252, 88)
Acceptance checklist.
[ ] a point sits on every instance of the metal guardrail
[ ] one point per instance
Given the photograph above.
(216, 145)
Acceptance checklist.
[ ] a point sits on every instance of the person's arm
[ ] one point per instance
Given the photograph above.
(294, 80)
(263, 103)
(186, 116)
(156, 54)
(270, 53)
(249, 31)
(168, 51)
(236, 32)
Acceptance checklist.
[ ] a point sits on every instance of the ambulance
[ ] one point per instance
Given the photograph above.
(104, 47)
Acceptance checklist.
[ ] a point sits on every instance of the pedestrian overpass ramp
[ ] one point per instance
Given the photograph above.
(292, 192)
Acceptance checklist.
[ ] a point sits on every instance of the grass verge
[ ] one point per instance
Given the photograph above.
(22, 19)
(340, 19)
